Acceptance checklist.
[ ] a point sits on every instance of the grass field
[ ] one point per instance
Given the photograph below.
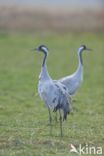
(24, 117)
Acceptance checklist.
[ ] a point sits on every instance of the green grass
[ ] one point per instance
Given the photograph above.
(24, 117)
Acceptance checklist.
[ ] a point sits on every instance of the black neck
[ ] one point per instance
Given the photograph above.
(44, 60)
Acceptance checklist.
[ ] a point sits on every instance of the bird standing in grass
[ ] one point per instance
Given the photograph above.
(73, 82)
(52, 92)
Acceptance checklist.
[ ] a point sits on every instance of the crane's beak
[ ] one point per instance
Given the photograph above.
(35, 49)
(88, 49)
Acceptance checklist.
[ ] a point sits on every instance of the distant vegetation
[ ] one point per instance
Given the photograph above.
(33, 19)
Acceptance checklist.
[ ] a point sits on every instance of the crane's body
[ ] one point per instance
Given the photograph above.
(44, 88)
(73, 82)
(53, 93)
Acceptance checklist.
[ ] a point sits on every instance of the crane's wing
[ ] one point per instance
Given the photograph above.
(70, 83)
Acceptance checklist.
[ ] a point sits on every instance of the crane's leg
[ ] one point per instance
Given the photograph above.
(50, 120)
(60, 122)
(55, 110)
(56, 117)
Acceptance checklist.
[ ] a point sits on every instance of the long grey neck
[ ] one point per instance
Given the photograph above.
(44, 72)
(79, 70)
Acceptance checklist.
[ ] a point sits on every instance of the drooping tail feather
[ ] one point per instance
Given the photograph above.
(65, 108)
(64, 100)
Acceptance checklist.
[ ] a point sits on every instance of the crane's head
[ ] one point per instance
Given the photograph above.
(83, 47)
(42, 48)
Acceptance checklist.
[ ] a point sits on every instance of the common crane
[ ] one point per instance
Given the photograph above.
(73, 82)
(52, 92)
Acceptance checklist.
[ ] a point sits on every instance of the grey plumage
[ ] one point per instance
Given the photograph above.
(73, 82)
(52, 92)
(64, 101)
